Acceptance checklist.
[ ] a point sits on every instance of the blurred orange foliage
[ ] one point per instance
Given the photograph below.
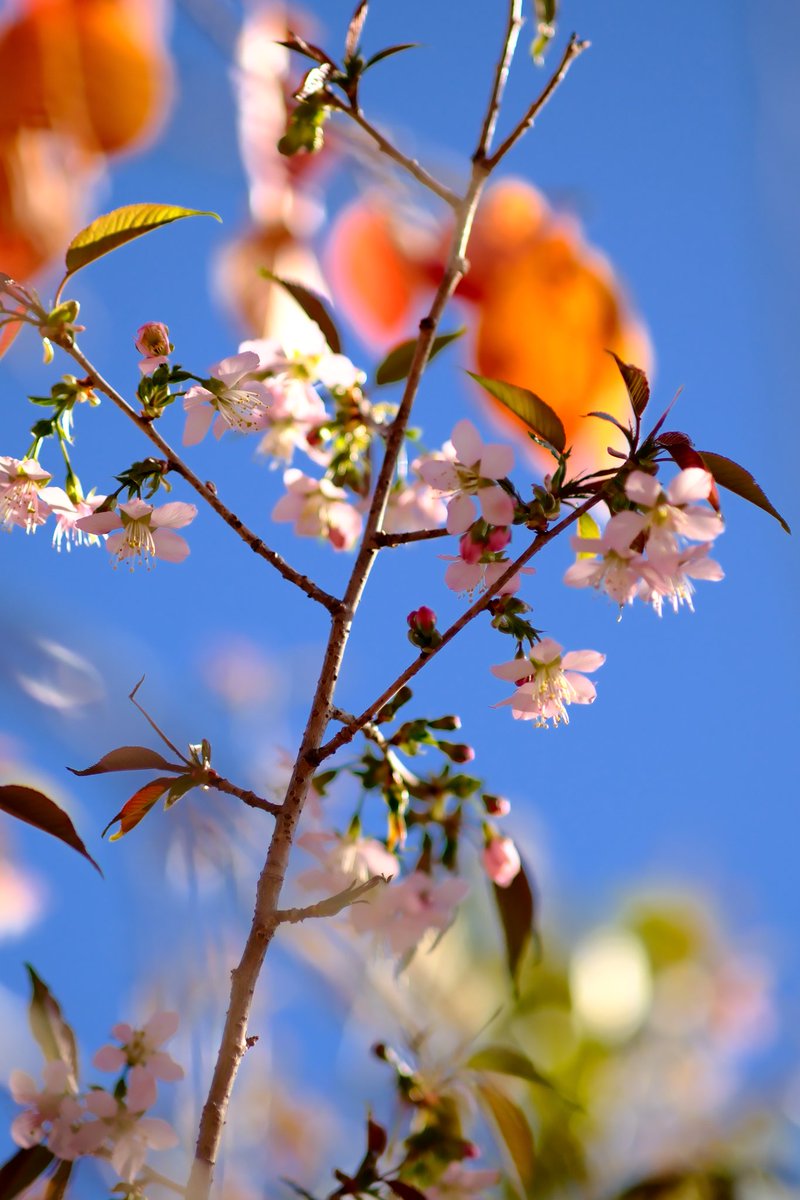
(547, 306)
(82, 79)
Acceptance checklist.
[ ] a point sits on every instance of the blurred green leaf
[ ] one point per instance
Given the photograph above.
(515, 1133)
(587, 528)
(397, 363)
(516, 907)
(546, 12)
(507, 1061)
(379, 57)
(52, 1033)
(114, 229)
(529, 407)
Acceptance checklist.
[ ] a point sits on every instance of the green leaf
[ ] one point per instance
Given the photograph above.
(587, 528)
(129, 758)
(515, 904)
(730, 475)
(526, 405)
(312, 305)
(122, 225)
(57, 1183)
(137, 808)
(179, 788)
(34, 808)
(546, 12)
(506, 1061)
(636, 382)
(23, 1169)
(52, 1033)
(379, 57)
(514, 1130)
(398, 362)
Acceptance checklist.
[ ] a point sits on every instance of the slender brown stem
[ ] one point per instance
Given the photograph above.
(348, 731)
(408, 164)
(402, 539)
(500, 78)
(266, 916)
(244, 794)
(208, 492)
(331, 906)
(574, 48)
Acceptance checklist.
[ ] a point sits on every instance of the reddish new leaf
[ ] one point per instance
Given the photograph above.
(59, 1181)
(138, 807)
(53, 1035)
(312, 305)
(516, 907)
(636, 382)
(129, 758)
(354, 30)
(295, 42)
(513, 1129)
(730, 475)
(34, 808)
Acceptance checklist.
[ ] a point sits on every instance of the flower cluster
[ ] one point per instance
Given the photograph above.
(27, 500)
(643, 551)
(110, 1124)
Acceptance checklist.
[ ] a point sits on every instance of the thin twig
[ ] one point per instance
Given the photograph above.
(330, 907)
(402, 539)
(574, 48)
(408, 164)
(500, 79)
(153, 725)
(244, 794)
(348, 732)
(207, 492)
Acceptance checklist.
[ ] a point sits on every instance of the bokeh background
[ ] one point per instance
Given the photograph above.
(674, 143)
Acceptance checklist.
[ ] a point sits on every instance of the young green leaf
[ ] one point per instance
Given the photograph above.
(138, 807)
(506, 1061)
(546, 12)
(730, 475)
(23, 1169)
(397, 363)
(52, 1033)
(516, 907)
(514, 1130)
(587, 528)
(636, 382)
(382, 54)
(179, 788)
(312, 305)
(26, 804)
(122, 225)
(129, 758)
(530, 408)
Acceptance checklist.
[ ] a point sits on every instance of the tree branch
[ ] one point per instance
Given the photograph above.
(408, 164)
(500, 79)
(206, 491)
(244, 794)
(348, 732)
(402, 539)
(575, 47)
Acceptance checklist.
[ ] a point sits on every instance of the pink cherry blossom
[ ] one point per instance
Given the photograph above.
(501, 860)
(67, 515)
(343, 861)
(43, 1106)
(667, 576)
(614, 567)
(152, 341)
(318, 509)
(309, 361)
(21, 501)
(466, 577)
(130, 1135)
(470, 468)
(402, 913)
(296, 411)
(145, 532)
(547, 681)
(232, 400)
(673, 511)
(140, 1050)
(458, 1181)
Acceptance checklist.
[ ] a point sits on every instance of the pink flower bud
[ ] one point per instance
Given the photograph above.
(457, 752)
(422, 619)
(152, 340)
(498, 538)
(501, 861)
(496, 806)
(469, 550)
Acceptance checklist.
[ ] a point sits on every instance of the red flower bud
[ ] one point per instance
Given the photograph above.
(422, 620)
(152, 340)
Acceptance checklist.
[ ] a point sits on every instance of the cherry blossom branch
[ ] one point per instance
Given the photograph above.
(374, 734)
(402, 539)
(330, 907)
(385, 146)
(244, 794)
(234, 1040)
(500, 79)
(575, 47)
(206, 490)
(348, 732)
